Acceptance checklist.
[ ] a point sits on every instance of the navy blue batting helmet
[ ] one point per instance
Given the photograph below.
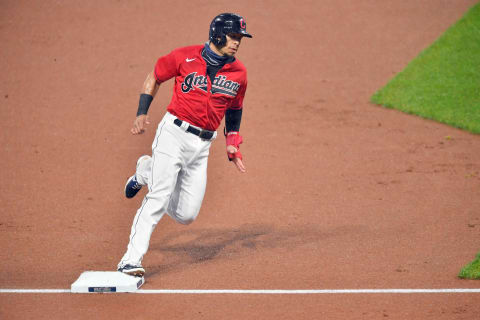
(224, 24)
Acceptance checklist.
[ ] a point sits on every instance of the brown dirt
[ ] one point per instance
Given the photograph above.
(339, 194)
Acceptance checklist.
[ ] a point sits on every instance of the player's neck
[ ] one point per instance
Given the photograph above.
(213, 58)
(215, 49)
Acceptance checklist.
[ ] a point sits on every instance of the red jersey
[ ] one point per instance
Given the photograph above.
(195, 98)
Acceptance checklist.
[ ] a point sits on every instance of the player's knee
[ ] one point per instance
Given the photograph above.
(186, 217)
(187, 221)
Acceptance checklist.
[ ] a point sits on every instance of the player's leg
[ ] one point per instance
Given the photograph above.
(166, 162)
(189, 191)
(140, 178)
(144, 170)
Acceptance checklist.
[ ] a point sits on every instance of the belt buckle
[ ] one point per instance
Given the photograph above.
(205, 134)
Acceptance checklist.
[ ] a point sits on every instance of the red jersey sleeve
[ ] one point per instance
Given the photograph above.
(166, 67)
(237, 103)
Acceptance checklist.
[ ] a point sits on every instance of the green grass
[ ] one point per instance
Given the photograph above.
(472, 270)
(443, 82)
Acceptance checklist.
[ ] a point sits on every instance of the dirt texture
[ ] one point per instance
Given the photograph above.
(339, 193)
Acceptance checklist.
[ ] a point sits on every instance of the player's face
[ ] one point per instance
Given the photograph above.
(232, 45)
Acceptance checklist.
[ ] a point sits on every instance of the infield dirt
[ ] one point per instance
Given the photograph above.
(338, 194)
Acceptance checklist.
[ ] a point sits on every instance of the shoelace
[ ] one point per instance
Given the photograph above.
(136, 185)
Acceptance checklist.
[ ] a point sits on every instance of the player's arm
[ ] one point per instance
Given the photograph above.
(165, 68)
(233, 118)
(149, 90)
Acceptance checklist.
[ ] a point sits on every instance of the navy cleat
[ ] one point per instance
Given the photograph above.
(131, 270)
(132, 187)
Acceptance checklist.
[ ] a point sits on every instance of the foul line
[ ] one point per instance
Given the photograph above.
(326, 291)
(228, 291)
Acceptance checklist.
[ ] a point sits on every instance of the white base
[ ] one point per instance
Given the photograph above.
(106, 281)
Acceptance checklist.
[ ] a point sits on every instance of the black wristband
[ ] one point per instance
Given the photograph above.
(144, 103)
(233, 118)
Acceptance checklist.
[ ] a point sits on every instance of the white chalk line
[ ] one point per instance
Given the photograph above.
(234, 291)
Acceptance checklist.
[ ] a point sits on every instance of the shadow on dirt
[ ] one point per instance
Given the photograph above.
(180, 250)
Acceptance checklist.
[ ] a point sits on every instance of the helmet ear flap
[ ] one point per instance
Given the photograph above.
(218, 40)
(216, 34)
(222, 41)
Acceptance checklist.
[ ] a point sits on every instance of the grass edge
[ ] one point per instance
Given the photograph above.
(471, 270)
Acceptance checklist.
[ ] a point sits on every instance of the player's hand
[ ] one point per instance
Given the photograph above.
(140, 124)
(237, 161)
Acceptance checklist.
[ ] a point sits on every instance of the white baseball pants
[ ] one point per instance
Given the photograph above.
(176, 176)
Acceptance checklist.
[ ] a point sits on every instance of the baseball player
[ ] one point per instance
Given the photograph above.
(210, 84)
